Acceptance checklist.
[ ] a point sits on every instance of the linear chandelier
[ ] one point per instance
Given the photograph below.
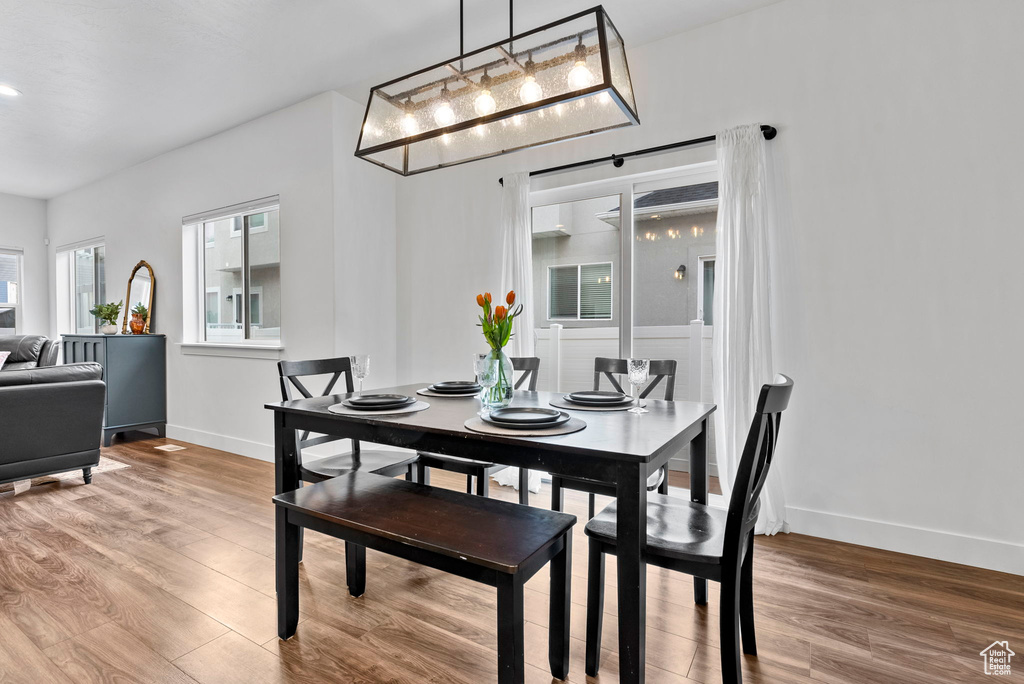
(563, 80)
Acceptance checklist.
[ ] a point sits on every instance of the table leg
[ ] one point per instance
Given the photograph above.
(699, 493)
(287, 563)
(558, 619)
(286, 467)
(631, 491)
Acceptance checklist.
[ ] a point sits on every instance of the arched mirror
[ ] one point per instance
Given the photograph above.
(138, 312)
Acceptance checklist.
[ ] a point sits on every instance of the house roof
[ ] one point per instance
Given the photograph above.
(679, 195)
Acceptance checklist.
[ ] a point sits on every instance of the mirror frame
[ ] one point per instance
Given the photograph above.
(128, 298)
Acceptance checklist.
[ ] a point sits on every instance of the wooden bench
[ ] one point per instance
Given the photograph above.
(494, 542)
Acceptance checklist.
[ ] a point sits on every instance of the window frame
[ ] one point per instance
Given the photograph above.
(68, 319)
(198, 222)
(19, 254)
(579, 291)
(701, 265)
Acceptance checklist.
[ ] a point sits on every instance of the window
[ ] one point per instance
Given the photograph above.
(239, 261)
(10, 291)
(580, 292)
(706, 290)
(81, 285)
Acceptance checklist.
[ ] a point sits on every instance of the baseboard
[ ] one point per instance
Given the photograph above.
(245, 447)
(682, 464)
(242, 447)
(991, 554)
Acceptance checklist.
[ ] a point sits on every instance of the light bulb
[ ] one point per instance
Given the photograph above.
(409, 125)
(444, 115)
(480, 130)
(484, 103)
(580, 76)
(9, 91)
(604, 98)
(531, 91)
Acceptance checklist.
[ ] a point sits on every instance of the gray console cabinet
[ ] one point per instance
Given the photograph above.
(135, 370)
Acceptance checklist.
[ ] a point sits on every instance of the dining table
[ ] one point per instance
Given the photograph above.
(615, 446)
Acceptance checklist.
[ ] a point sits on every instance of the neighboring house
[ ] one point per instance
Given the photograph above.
(997, 658)
(673, 264)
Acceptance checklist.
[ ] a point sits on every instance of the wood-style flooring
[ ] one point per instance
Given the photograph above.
(164, 572)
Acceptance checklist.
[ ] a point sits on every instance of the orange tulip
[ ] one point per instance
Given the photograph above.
(487, 296)
(510, 298)
(499, 313)
(480, 300)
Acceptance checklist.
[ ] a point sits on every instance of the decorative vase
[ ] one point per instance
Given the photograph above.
(137, 324)
(500, 395)
(109, 329)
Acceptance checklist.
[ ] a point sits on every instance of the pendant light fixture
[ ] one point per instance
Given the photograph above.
(563, 80)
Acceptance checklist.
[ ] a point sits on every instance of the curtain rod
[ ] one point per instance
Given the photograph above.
(619, 159)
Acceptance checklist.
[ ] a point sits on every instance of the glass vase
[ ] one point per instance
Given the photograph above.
(501, 394)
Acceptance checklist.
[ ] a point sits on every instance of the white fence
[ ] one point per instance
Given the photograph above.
(567, 362)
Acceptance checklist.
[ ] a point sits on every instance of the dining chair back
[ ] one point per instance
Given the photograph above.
(661, 369)
(530, 367)
(756, 459)
(292, 373)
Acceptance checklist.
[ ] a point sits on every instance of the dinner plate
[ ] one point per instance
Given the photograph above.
(455, 386)
(625, 401)
(561, 419)
(529, 415)
(378, 402)
(597, 397)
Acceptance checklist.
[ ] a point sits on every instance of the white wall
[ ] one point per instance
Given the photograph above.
(897, 270)
(212, 400)
(23, 226)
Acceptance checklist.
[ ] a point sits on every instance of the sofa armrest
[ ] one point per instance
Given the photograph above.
(48, 419)
(48, 354)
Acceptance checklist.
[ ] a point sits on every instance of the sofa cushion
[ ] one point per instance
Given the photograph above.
(75, 372)
(23, 348)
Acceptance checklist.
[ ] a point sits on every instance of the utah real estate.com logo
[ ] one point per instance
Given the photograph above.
(997, 658)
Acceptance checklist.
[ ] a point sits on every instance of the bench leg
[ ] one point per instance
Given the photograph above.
(511, 655)
(355, 568)
(558, 620)
(287, 562)
(595, 607)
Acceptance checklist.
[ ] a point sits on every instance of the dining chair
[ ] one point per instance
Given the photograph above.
(664, 369)
(702, 541)
(380, 462)
(529, 366)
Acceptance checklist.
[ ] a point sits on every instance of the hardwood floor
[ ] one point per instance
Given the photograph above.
(163, 572)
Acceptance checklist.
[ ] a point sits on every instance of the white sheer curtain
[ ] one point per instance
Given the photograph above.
(742, 355)
(517, 274)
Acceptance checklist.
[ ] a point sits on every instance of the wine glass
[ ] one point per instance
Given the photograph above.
(637, 372)
(360, 369)
(486, 368)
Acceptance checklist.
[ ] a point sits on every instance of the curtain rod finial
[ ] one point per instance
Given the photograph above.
(501, 182)
(769, 132)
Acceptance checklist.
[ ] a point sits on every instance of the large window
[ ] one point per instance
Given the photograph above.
(10, 291)
(580, 292)
(240, 261)
(81, 285)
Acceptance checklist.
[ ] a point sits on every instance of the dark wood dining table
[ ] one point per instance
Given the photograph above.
(616, 446)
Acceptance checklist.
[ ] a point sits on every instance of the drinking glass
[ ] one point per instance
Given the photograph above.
(486, 368)
(637, 372)
(360, 369)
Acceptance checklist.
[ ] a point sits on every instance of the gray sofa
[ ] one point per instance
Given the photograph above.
(51, 420)
(28, 351)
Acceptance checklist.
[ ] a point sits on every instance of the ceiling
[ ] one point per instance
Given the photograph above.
(110, 83)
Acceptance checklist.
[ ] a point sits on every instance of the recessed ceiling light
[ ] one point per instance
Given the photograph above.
(9, 91)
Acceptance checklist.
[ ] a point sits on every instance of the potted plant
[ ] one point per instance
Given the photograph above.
(139, 316)
(108, 313)
(497, 329)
